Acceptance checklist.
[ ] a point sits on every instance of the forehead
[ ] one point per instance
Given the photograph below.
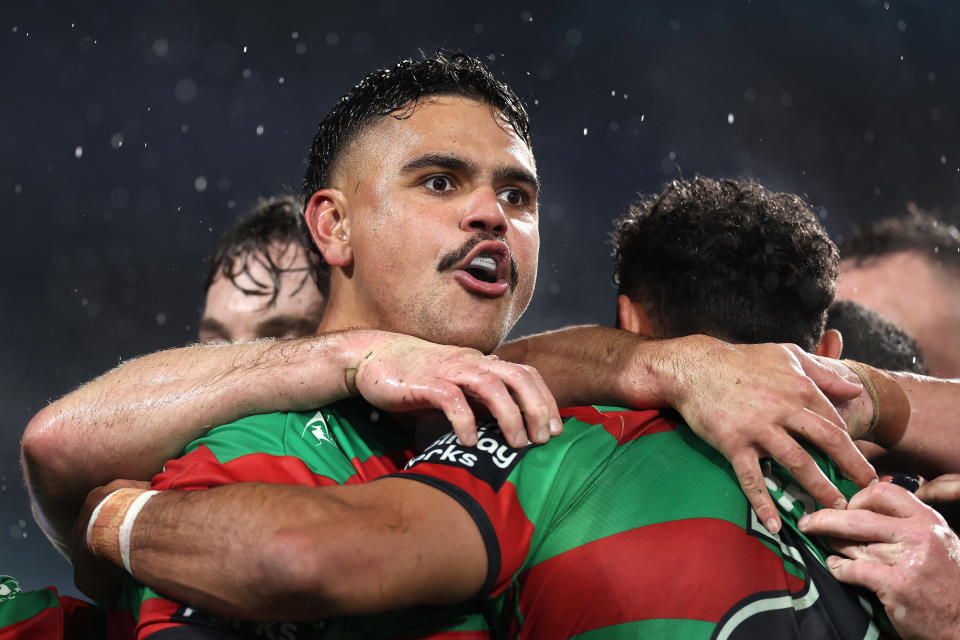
(439, 124)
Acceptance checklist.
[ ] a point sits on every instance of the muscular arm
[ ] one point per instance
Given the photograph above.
(127, 423)
(747, 401)
(300, 553)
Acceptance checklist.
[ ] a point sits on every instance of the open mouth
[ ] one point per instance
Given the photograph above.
(486, 269)
(483, 268)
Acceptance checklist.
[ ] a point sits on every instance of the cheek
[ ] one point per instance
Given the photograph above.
(527, 245)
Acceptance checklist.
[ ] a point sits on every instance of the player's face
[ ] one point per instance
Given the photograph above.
(230, 315)
(444, 222)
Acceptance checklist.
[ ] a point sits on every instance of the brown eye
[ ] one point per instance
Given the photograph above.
(513, 197)
(438, 183)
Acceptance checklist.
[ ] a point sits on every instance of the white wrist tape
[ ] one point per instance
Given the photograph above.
(126, 527)
(93, 518)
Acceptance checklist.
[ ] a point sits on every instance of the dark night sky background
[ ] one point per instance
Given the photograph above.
(133, 133)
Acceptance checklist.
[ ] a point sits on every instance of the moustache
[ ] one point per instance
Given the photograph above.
(455, 257)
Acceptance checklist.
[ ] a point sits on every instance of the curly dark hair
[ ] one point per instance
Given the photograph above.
(728, 258)
(387, 91)
(870, 338)
(917, 231)
(272, 220)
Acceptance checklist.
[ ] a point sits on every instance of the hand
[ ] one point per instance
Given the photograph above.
(402, 373)
(96, 578)
(945, 488)
(752, 401)
(901, 549)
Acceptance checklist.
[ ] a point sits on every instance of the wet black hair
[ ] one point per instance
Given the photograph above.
(387, 91)
(919, 232)
(870, 338)
(274, 220)
(727, 258)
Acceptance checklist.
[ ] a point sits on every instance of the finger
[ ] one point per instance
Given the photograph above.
(831, 377)
(555, 422)
(875, 576)
(536, 399)
(798, 461)
(529, 396)
(944, 488)
(747, 468)
(882, 552)
(448, 397)
(852, 524)
(889, 499)
(489, 389)
(832, 438)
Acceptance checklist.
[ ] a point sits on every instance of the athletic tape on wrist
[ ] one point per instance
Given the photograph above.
(891, 409)
(871, 388)
(93, 517)
(126, 527)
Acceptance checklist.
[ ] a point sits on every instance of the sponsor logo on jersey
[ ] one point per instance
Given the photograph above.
(491, 460)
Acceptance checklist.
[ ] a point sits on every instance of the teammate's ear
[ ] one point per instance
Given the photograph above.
(632, 317)
(831, 344)
(329, 227)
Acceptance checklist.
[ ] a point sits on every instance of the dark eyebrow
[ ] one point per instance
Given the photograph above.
(443, 160)
(214, 326)
(456, 163)
(279, 325)
(517, 174)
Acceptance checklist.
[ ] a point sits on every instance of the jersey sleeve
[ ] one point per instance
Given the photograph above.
(515, 496)
(274, 448)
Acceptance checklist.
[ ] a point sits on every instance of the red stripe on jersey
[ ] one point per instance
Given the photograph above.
(512, 527)
(378, 466)
(622, 425)
(449, 635)
(200, 469)
(155, 615)
(47, 623)
(687, 569)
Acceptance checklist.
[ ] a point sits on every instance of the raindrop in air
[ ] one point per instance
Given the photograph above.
(200, 184)
(78, 152)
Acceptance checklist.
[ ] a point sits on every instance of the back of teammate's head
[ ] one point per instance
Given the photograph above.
(727, 258)
(918, 232)
(870, 338)
(274, 221)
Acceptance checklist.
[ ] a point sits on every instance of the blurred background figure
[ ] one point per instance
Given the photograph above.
(870, 338)
(263, 280)
(908, 270)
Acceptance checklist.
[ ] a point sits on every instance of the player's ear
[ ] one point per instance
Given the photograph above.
(831, 344)
(632, 317)
(329, 226)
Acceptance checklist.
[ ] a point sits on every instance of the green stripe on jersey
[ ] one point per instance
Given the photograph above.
(652, 629)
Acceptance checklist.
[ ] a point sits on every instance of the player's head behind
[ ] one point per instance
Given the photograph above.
(727, 258)
(908, 269)
(421, 193)
(263, 280)
(870, 338)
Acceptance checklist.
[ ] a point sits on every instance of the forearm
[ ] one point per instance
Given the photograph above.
(126, 423)
(269, 552)
(621, 367)
(932, 435)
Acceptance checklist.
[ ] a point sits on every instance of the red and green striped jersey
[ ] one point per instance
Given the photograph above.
(629, 526)
(345, 443)
(44, 614)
